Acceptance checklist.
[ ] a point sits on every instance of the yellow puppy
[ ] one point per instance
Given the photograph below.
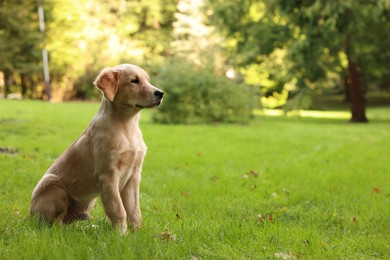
(106, 159)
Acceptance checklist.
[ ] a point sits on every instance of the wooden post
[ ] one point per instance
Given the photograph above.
(45, 57)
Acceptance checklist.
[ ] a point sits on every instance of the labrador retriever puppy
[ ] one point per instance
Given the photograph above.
(106, 160)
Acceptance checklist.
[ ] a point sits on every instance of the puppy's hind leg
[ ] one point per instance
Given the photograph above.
(78, 211)
(49, 200)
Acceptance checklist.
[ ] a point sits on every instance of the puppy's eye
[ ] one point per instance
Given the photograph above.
(135, 81)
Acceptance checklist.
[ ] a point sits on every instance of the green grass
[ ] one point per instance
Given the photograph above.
(322, 190)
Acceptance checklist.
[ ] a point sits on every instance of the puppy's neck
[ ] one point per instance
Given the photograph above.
(119, 113)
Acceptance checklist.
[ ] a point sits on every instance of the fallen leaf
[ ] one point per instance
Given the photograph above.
(377, 190)
(285, 255)
(166, 235)
(260, 217)
(254, 173)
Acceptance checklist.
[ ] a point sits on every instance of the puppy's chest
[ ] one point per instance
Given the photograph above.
(130, 162)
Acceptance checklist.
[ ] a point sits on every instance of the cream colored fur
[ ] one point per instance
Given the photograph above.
(106, 160)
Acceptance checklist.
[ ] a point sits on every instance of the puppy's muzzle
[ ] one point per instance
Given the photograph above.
(159, 95)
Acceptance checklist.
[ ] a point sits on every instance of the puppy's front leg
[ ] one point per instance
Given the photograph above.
(112, 202)
(130, 198)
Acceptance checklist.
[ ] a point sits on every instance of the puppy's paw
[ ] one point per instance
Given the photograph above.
(122, 228)
(135, 226)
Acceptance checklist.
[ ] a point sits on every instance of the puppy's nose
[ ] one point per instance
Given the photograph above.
(159, 94)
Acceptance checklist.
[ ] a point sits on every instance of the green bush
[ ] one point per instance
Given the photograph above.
(83, 86)
(197, 95)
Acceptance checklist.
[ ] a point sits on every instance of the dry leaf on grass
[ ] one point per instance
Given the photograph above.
(166, 235)
(252, 173)
(261, 217)
(285, 255)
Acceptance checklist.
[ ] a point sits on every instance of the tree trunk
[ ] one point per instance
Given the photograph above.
(347, 83)
(31, 88)
(354, 88)
(23, 84)
(7, 82)
(357, 100)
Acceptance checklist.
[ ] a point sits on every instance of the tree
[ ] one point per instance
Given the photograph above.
(81, 37)
(313, 38)
(192, 38)
(19, 42)
(107, 33)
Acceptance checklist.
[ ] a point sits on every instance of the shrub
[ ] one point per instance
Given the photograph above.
(197, 95)
(83, 87)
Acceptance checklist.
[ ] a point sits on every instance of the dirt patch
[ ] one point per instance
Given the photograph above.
(6, 150)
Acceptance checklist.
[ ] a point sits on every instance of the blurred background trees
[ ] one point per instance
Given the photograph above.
(20, 41)
(286, 51)
(305, 46)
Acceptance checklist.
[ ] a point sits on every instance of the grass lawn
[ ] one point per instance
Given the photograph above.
(279, 188)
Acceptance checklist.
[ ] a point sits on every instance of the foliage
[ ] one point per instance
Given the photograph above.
(82, 37)
(276, 188)
(109, 33)
(314, 39)
(19, 43)
(311, 32)
(83, 87)
(193, 39)
(197, 95)
(293, 49)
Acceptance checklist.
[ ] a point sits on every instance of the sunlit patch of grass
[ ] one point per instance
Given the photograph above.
(280, 187)
(304, 113)
(324, 114)
(373, 113)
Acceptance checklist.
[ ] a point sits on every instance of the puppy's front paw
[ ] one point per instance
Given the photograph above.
(122, 228)
(135, 225)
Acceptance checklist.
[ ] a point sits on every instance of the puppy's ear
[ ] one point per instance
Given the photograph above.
(107, 82)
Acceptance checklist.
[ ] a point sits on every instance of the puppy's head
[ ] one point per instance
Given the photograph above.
(128, 85)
